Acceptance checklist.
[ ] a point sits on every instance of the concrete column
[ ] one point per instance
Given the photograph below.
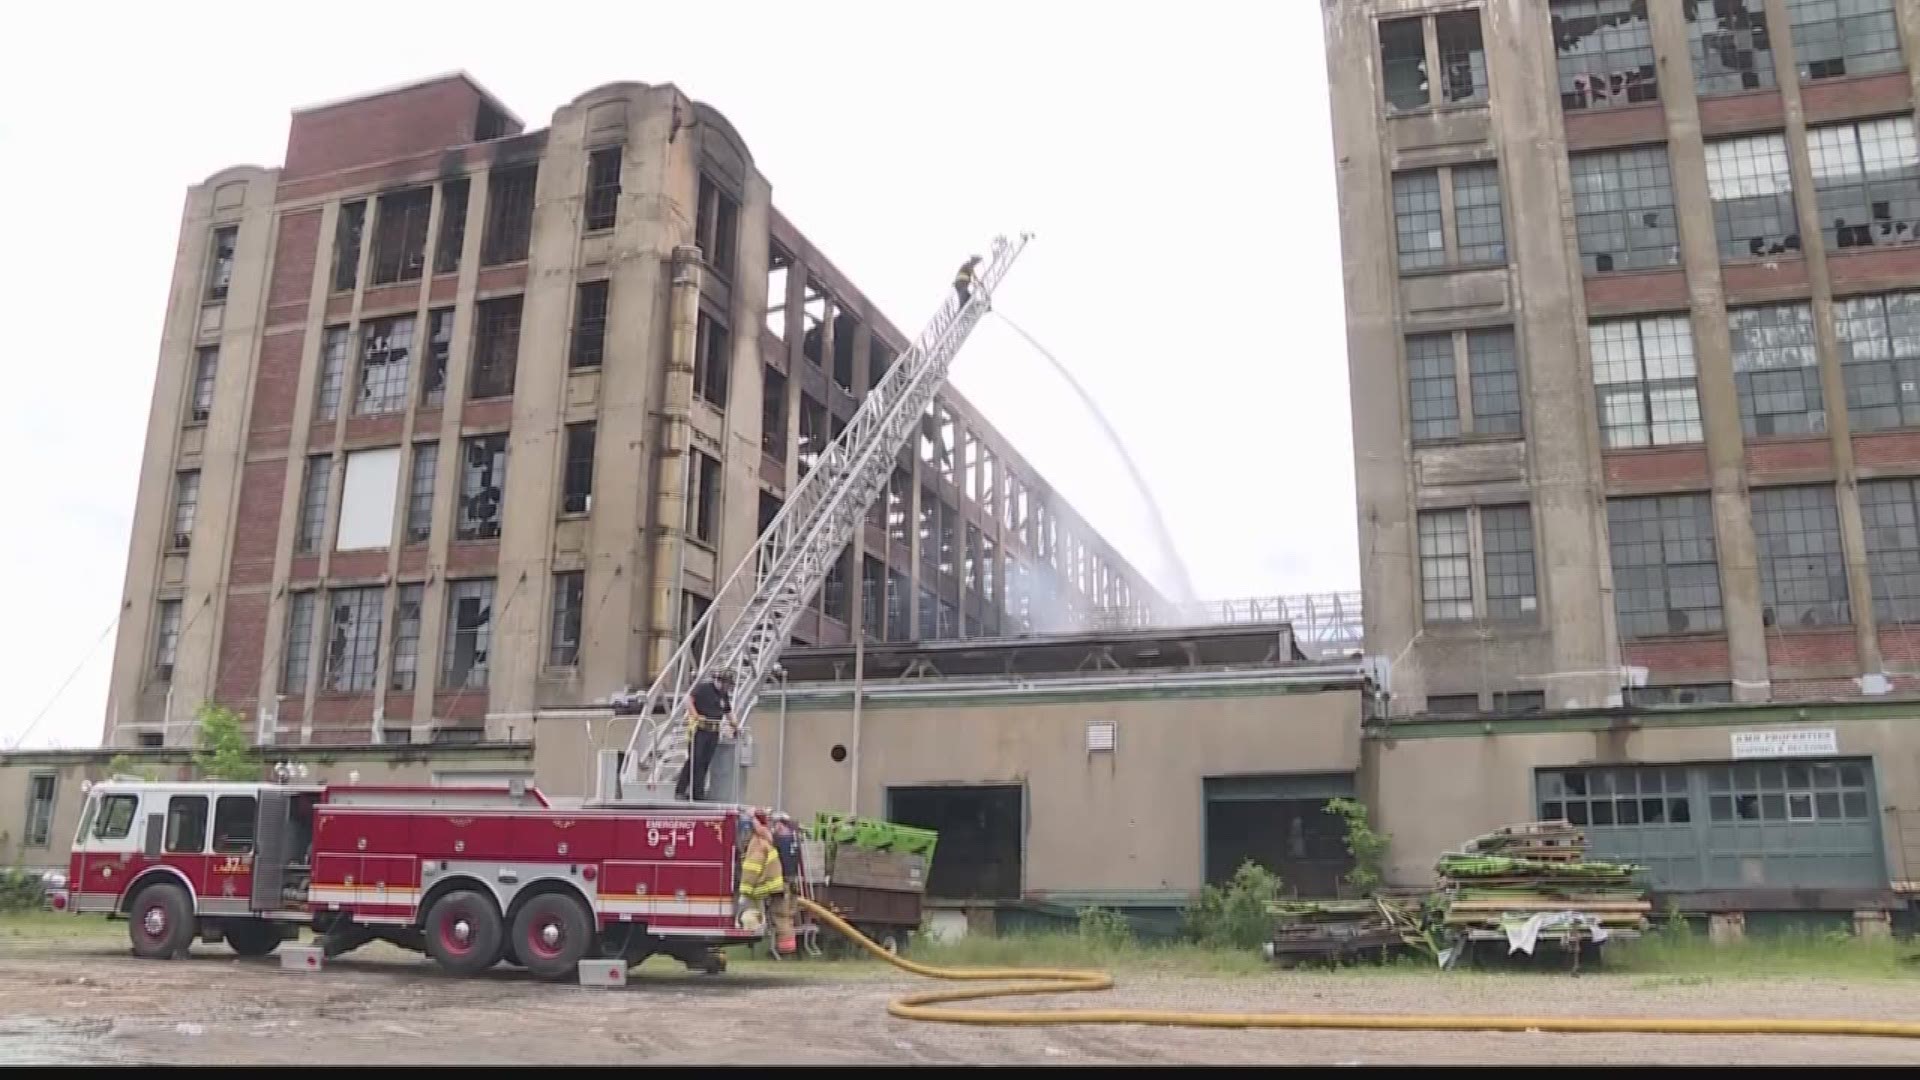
(1727, 927)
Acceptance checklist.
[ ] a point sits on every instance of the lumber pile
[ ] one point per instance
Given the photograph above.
(1334, 930)
(1539, 872)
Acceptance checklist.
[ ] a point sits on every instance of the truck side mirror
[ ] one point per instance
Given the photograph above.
(156, 828)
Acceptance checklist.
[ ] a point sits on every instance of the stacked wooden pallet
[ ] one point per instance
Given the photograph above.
(1338, 929)
(1499, 881)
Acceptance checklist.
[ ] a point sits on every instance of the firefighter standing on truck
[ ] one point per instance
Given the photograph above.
(709, 706)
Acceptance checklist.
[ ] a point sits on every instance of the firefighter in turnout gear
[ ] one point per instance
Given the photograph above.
(963, 279)
(709, 708)
(762, 884)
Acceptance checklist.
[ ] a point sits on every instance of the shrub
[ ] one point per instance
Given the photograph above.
(20, 890)
(1237, 916)
(1105, 928)
(1368, 848)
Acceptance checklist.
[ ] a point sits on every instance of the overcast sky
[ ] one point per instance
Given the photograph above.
(1174, 161)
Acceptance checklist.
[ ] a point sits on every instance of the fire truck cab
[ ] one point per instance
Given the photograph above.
(469, 876)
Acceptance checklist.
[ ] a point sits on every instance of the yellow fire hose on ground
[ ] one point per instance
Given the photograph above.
(1055, 981)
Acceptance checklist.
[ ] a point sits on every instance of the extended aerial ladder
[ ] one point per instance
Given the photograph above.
(769, 590)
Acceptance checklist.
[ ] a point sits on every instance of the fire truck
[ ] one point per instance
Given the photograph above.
(471, 876)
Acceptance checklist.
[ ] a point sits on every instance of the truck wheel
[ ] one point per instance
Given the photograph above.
(160, 921)
(252, 937)
(551, 935)
(463, 932)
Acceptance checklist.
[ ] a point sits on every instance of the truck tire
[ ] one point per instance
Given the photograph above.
(160, 922)
(552, 933)
(252, 937)
(463, 932)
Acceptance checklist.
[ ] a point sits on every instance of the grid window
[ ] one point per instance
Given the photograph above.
(1751, 186)
(206, 364)
(453, 226)
(186, 506)
(576, 479)
(569, 596)
(1519, 702)
(1866, 178)
(717, 230)
(400, 236)
(220, 261)
(1666, 579)
(299, 655)
(1731, 48)
(1796, 791)
(712, 361)
(703, 510)
(1446, 567)
(483, 487)
(420, 483)
(1890, 511)
(469, 636)
(1776, 370)
(1479, 229)
(1493, 372)
(353, 638)
(509, 215)
(1403, 63)
(40, 806)
(405, 665)
(496, 349)
(386, 354)
(166, 640)
(1644, 372)
(1803, 572)
(603, 188)
(1880, 359)
(1833, 38)
(1605, 52)
(1643, 795)
(1452, 704)
(1416, 220)
(589, 325)
(1431, 389)
(1463, 57)
(313, 504)
(333, 371)
(1623, 209)
(1506, 538)
(433, 381)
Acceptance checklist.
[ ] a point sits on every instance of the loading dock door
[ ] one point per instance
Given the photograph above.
(982, 836)
(1282, 824)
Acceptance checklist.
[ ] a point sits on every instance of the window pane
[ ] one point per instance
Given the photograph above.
(1623, 209)
(1446, 566)
(1866, 180)
(1751, 186)
(1431, 391)
(1890, 514)
(1835, 38)
(1479, 229)
(1416, 220)
(1506, 536)
(1732, 50)
(1666, 578)
(1776, 370)
(1803, 572)
(1605, 53)
(1403, 62)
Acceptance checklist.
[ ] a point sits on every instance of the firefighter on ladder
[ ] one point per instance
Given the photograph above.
(963, 279)
(761, 881)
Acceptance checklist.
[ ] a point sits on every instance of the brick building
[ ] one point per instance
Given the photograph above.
(456, 419)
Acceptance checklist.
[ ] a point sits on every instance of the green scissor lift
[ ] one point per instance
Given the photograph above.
(873, 834)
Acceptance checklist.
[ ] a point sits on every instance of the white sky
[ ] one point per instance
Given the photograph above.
(1176, 168)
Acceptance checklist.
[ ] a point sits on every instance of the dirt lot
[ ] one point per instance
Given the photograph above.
(84, 1000)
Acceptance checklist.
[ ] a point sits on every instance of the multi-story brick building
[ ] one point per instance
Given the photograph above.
(455, 419)
(1633, 315)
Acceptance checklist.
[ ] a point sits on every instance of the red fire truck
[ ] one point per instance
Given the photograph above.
(470, 876)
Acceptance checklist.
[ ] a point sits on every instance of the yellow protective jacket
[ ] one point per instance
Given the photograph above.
(760, 875)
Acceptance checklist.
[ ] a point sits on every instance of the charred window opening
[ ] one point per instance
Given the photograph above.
(879, 361)
(972, 566)
(452, 240)
(206, 364)
(1463, 57)
(779, 265)
(693, 608)
(845, 327)
(970, 466)
(989, 492)
(420, 485)
(899, 626)
(1605, 52)
(873, 587)
(1623, 209)
(312, 525)
(1731, 48)
(1848, 37)
(186, 507)
(717, 230)
(489, 123)
(509, 215)
(433, 380)
(576, 482)
(603, 188)
(927, 525)
(1776, 370)
(1866, 178)
(353, 638)
(703, 509)
(1803, 571)
(773, 414)
(712, 361)
(469, 637)
(1647, 379)
(833, 595)
(166, 642)
(988, 552)
(982, 827)
(929, 616)
(770, 505)
(496, 348)
(569, 598)
(948, 625)
(944, 439)
(1666, 574)
(1403, 63)
(813, 432)
(589, 325)
(220, 261)
(386, 354)
(815, 309)
(298, 658)
(405, 664)
(899, 500)
(346, 246)
(400, 236)
(483, 486)
(1751, 186)
(949, 543)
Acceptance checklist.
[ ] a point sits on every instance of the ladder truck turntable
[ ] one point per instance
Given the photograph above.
(473, 876)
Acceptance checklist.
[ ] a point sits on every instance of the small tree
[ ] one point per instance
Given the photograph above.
(1367, 847)
(224, 752)
(122, 765)
(1239, 916)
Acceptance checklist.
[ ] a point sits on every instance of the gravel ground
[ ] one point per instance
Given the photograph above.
(90, 1002)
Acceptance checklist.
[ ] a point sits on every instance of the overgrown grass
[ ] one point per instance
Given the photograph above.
(1669, 957)
(1073, 950)
(40, 925)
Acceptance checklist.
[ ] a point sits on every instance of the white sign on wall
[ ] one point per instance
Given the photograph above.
(1799, 742)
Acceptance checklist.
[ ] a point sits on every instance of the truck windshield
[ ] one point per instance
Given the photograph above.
(86, 819)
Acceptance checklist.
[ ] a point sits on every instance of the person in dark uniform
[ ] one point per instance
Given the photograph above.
(963, 279)
(709, 707)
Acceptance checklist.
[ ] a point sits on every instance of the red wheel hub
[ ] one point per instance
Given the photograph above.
(546, 937)
(456, 931)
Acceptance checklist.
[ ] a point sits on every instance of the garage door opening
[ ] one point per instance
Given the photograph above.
(980, 851)
(1280, 823)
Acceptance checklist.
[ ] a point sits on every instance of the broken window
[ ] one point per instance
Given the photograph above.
(712, 361)
(569, 599)
(1605, 50)
(603, 188)
(576, 476)
(509, 215)
(420, 483)
(1866, 177)
(1479, 230)
(220, 261)
(346, 246)
(773, 414)
(1463, 57)
(813, 432)
(166, 641)
(1432, 387)
(1417, 221)
(879, 362)
(873, 578)
(1835, 38)
(312, 524)
(703, 509)
(453, 226)
(469, 637)
(1751, 185)
(1880, 359)
(40, 805)
(206, 364)
(483, 486)
(589, 325)
(717, 232)
(899, 499)
(947, 627)
(353, 638)
(1731, 48)
(845, 327)
(433, 380)
(814, 311)
(1446, 567)
(928, 522)
(949, 543)
(971, 565)
(1403, 63)
(1493, 381)
(333, 371)
(405, 663)
(1776, 369)
(496, 348)
(1646, 377)
(899, 628)
(490, 123)
(1666, 577)
(694, 608)
(1890, 511)
(1623, 209)
(400, 236)
(1803, 571)
(770, 506)
(987, 552)
(833, 599)
(929, 616)
(186, 507)
(386, 349)
(296, 661)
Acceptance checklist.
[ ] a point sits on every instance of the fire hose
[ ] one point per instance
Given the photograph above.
(1039, 981)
